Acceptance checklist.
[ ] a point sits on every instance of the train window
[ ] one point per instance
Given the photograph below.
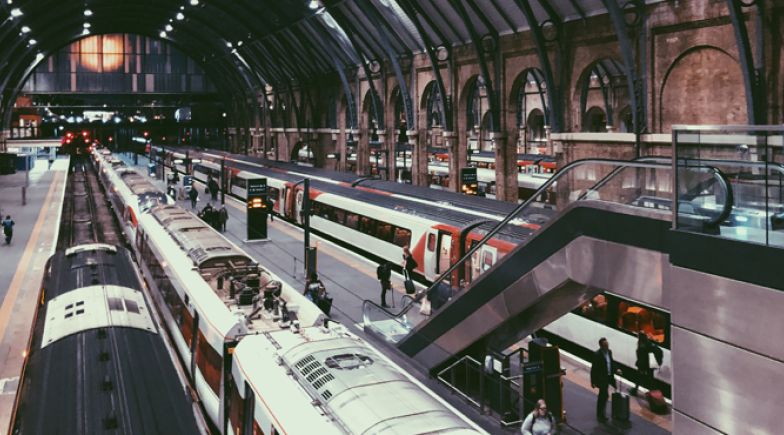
(384, 231)
(431, 242)
(595, 309)
(367, 225)
(340, 216)
(209, 362)
(402, 237)
(315, 208)
(634, 318)
(352, 221)
(131, 306)
(186, 325)
(487, 260)
(115, 304)
(236, 410)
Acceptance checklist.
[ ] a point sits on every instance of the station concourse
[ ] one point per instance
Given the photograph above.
(558, 171)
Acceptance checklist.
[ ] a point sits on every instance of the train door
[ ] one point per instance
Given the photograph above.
(194, 343)
(298, 206)
(444, 252)
(247, 413)
(285, 210)
(430, 259)
(476, 264)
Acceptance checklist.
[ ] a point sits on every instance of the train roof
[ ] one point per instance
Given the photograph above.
(203, 244)
(358, 388)
(104, 368)
(86, 265)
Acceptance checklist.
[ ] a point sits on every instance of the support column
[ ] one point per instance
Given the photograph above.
(457, 159)
(363, 152)
(419, 160)
(386, 153)
(342, 137)
(505, 168)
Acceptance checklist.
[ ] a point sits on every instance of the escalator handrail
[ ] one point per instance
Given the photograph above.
(511, 216)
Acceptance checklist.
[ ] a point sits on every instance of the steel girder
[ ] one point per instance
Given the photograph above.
(753, 69)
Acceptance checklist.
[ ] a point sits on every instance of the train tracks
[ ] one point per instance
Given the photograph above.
(86, 218)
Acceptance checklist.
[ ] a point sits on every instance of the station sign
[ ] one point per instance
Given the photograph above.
(257, 208)
(469, 181)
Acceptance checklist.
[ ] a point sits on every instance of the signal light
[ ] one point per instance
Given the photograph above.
(146, 133)
(84, 133)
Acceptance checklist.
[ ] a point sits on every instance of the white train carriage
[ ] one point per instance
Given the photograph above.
(328, 381)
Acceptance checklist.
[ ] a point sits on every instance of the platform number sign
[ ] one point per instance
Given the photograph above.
(257, 208)
(469, 181)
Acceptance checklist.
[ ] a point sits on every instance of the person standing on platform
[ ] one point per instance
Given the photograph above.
(194, 196)
(212, 186)
(645, 347)
(8, 229)
(270, 204)
(223, 217)
(602, 376)
(384, 274)
(540, 421)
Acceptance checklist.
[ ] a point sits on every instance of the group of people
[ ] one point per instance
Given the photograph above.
(217, 218)
(317, 293)
(384, 274)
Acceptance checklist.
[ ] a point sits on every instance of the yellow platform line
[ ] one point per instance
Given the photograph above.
(24, 263)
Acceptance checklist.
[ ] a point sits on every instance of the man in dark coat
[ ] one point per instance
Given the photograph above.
(384, 273)
(223, 217)
(602, 376)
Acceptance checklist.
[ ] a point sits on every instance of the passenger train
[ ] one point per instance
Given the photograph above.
(258, 352)
(378, 218)
(97, 362)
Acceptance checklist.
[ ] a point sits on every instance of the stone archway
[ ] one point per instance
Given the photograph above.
(704, 85)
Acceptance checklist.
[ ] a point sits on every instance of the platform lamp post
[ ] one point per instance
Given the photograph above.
(223, 182)
(310, 252)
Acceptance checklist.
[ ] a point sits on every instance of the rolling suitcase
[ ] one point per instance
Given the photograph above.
(656, 401)
(620, 406)
(410, 289)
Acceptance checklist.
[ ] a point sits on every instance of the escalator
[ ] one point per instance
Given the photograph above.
(604, 226)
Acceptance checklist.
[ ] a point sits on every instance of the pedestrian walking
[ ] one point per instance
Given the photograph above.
(384, 274)
(194, 196)
(602, 376)
(540, 421)
(270, 204)
(8, 229)
(223, 217)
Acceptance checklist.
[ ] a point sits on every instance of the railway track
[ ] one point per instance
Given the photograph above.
(86, 217)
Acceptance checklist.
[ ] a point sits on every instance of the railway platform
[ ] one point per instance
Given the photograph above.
(350, 279)
(24, 260)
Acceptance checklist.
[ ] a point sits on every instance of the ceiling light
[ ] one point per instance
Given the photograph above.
(10, 2)
(239, 43)
(25, 29)
(162, 34)
(228, 44)
(86, 25)
(194, 2)
(182, 8)
(86, 32)
(16, 12)
(180, 16)
(169, 28)
(32, 42)
(88, 13)
(39, 57)
(314, 4)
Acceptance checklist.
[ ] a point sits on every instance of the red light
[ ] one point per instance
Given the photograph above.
(84, 133)
(146, 133)
(69, 135)
(68, 141)
(110, 139)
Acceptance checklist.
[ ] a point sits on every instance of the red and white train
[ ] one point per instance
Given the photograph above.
(254, 347)
(376, 218)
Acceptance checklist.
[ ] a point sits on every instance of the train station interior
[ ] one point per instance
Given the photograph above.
(391, 216)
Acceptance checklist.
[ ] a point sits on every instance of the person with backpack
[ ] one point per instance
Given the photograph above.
(539, 421)
(384, 274)
(408, 264)
(8, 229)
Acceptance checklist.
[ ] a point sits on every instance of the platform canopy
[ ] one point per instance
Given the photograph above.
(245, 45)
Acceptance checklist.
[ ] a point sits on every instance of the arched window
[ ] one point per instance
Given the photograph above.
(595, 120)
(477, 105)
(603, 87)
(433, 106)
